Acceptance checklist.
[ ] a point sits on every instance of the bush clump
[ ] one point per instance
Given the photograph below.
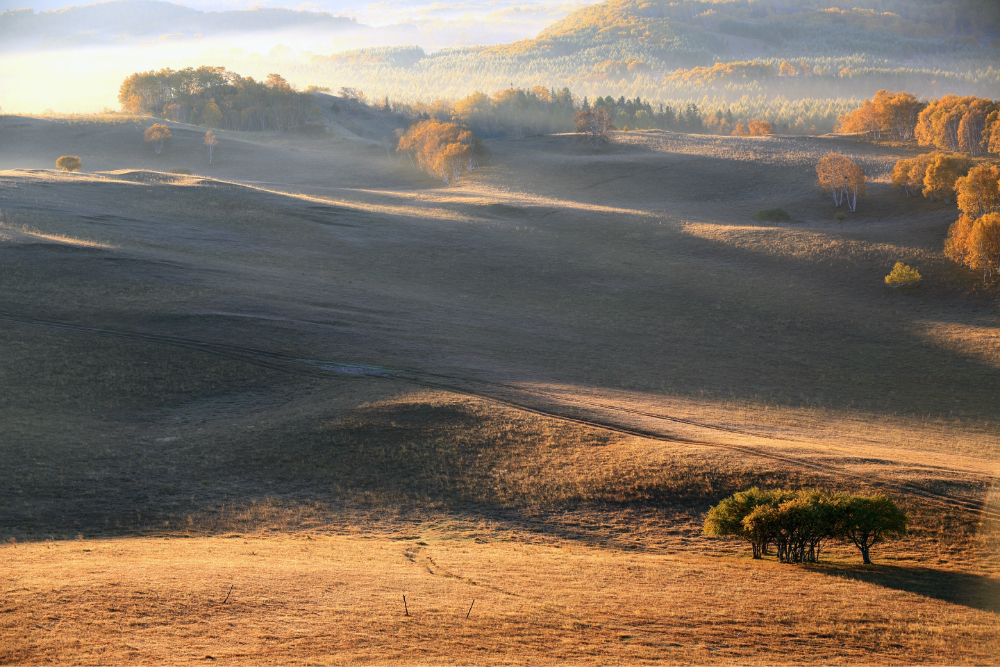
(797, 523)
(180, 170)
(774, 215)
(840, 217)
(69, 163)
(902, 274)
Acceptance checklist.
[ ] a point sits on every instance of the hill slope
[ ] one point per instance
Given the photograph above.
(552, 368)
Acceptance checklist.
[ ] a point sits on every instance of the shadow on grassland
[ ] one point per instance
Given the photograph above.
(969, 590)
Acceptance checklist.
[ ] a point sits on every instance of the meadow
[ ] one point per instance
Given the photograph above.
(312, 374)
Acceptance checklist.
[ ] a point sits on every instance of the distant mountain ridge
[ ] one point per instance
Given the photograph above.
(123, 20)
(655, 20)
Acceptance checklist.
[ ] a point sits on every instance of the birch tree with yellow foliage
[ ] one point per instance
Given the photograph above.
(841, 177)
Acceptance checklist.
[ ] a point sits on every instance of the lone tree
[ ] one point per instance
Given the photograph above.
(841, 177)
(443, 150)
(69, 163)
(211, 141)
(869, 520)
(157, 134)
(595, 124)
(901, 176)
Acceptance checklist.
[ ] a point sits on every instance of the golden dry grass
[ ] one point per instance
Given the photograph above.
(338, 599)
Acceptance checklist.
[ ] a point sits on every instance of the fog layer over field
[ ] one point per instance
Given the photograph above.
(75, 64)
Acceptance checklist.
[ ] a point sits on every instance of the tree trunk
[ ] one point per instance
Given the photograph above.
(865, 557)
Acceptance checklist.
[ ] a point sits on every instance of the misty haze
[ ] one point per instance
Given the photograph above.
(570, 332)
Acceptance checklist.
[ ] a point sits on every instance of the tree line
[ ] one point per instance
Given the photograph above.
(218, 98)
(799, 523)
(539, 110)
(951, 123)
(974, 239)
(962, 130)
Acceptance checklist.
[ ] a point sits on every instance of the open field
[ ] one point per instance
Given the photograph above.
(311, 373)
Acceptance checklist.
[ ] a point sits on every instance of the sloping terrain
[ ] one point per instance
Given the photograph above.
(308, 339)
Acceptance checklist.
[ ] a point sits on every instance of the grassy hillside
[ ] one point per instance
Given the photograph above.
(329, 382)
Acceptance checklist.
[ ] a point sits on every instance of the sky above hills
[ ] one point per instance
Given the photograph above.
(457, 22)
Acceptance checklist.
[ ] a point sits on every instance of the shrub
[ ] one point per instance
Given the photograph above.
(797, 523)
(840, 216)
(774, 215)
(901, 275)
(180, 170)
(69, 163)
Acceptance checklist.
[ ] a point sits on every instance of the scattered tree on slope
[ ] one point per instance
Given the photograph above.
(443, 150)
(212, 142)
(595, 125)
(157, 135)
(842, 178)
(69, 163)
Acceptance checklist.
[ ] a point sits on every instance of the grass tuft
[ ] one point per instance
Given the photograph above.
(774, 215)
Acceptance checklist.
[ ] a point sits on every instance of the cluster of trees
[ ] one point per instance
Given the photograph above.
(974, 239)
(797, 523)
(216, 97)
(507, 112)
(964, 124)
(841, 177)
(725, 123)
(442, 150)
(755, 128)
(932, 174)
(951, 123)
(722, 71)
(522, 111)
(885, 115)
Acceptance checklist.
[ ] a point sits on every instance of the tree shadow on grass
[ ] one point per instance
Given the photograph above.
(969, 590)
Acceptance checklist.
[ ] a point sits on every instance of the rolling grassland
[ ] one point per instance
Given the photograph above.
(313, 375)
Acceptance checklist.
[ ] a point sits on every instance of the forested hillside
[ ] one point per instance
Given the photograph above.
(798, 64)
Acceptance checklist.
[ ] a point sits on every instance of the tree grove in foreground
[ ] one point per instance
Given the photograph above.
(798, 523)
